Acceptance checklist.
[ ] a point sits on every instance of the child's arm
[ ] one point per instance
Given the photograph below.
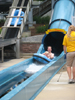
(44, 53)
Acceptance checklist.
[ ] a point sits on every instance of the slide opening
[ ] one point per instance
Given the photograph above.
(54, 39)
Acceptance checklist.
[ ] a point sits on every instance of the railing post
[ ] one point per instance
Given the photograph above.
(30, 17)
(52, 3)
(2, 53)
(18, 48)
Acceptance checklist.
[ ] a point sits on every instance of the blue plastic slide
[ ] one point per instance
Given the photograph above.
(20, 19)
(30, 88)
(61, 20)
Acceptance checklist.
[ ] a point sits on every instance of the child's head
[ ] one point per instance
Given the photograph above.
(49, 49)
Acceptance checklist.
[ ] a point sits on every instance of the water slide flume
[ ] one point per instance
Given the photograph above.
(29, 89)
(42, 58)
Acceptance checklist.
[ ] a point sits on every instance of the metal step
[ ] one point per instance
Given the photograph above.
(18, 7)
(43, 8)
(14, 16)
(10, 27)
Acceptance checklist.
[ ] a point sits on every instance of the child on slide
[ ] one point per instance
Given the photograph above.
(48, 53)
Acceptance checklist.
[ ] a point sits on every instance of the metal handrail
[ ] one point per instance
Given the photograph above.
(18, 7)
(52, 10)
(25, 17)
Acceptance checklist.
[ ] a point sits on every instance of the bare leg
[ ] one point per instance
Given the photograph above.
(73, 72)
(69, 72)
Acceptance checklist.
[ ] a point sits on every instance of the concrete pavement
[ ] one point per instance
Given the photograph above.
(58, 88)
(57, 92)
(10, 62)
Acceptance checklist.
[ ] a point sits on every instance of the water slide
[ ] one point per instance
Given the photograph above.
(31, 86)
(61, 20)
(12, 32)
(15, 27)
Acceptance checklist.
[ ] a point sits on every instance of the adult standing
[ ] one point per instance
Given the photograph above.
(69, 48)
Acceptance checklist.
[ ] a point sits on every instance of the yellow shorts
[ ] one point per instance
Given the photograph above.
(70, 59)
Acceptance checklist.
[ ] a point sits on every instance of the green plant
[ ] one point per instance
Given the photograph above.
(2, 20)
(41, 20)
(42, 29)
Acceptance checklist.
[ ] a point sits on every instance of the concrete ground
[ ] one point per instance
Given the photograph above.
(10, 62)
(58, 88)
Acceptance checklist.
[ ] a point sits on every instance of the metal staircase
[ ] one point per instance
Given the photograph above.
(44, 7)
(14, 33)
(20, 7)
